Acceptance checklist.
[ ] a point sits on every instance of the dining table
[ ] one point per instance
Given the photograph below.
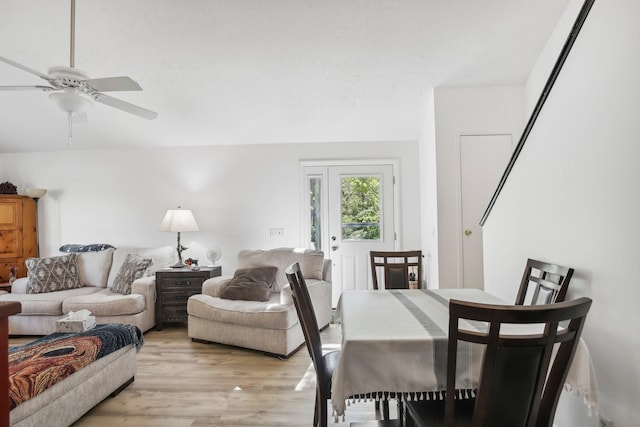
(394, 342)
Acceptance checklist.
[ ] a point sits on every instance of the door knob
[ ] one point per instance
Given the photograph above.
(468, 232)
(334, 248)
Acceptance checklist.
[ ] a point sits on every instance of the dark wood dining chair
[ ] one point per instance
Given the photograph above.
(549, 281)
(324, 364)
(396, 270)
(520, 381)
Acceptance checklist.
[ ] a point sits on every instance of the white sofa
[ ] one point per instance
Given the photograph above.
(270, 326)
(97, 272)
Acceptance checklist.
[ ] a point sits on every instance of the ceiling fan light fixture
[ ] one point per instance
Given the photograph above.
(71, 101)
(73, 84)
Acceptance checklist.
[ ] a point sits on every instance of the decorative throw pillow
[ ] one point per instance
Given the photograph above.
(250, 284)
(94, 267)
(53, 274)
(133, 268)
(311, 262)
(160, 257)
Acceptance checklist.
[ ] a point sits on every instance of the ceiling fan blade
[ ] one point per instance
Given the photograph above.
(125, 106)
(44, 88)
(25, 68)
(113, 84)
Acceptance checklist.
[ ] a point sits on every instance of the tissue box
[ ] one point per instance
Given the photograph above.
(75, 325)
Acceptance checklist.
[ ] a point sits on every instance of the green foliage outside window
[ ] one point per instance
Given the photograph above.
(361, 208)
(316, 226)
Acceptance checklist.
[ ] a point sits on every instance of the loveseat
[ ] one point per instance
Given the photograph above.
(271, 324)
(96, 281)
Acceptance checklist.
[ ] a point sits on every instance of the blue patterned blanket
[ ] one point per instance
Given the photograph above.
(36, 366)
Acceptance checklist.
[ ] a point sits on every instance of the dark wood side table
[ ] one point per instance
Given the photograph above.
(174, 286)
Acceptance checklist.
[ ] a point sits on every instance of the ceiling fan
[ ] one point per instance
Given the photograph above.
(74, 92)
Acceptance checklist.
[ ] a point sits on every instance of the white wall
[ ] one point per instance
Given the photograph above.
(573, 199)
(540, 72)
(429, 193)
(236, 193)
(458, 110)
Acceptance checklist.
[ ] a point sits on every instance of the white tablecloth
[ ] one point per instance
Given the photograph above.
(396, 341)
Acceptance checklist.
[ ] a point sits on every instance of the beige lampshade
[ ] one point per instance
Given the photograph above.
(178, 220)
(36, 193)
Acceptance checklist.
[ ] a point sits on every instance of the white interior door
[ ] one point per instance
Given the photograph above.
(361, 219)
(483, 159)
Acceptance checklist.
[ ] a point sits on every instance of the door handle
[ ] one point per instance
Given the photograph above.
(468, 232)
(334, 248)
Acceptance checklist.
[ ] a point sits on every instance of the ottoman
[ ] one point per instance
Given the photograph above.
(91, 366)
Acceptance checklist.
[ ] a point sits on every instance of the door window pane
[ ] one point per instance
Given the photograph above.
(315, 191)
(360, 210)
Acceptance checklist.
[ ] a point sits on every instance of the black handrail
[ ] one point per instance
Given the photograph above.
(573, 35)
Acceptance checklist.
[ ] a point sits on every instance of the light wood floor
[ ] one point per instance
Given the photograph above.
(180, 383)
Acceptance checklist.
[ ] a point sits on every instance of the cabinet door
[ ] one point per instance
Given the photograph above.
(10, 228)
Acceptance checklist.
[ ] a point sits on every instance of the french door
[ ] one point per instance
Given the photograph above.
(349, 212)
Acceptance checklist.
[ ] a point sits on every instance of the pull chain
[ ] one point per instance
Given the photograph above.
(70, 121)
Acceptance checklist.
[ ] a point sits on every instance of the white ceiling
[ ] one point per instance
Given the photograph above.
(261, 71)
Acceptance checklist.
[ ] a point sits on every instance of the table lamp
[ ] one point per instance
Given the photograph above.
(179, 220)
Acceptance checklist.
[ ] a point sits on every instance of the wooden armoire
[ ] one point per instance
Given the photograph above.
(18, 234)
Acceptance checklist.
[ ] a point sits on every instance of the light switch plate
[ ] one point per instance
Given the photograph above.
(276, 232)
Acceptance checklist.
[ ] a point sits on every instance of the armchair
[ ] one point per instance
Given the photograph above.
(269, 326)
